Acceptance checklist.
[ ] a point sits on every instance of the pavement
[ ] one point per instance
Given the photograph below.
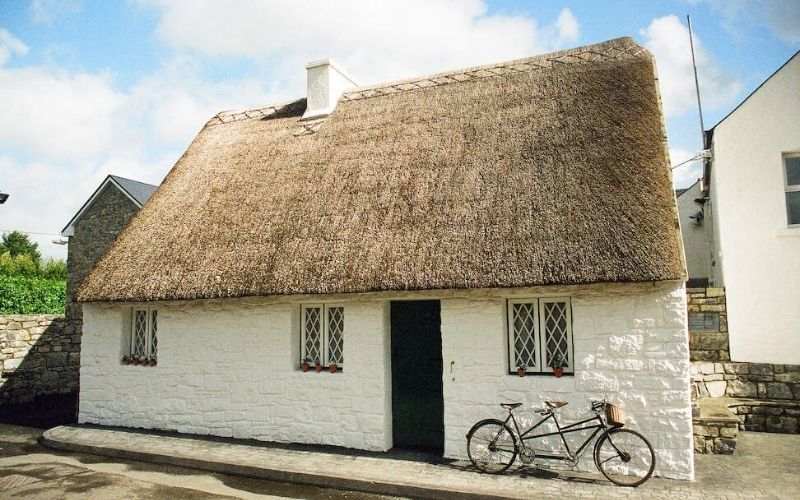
(30, 471)
(764, 466)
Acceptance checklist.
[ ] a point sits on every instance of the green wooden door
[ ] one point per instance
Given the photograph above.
(417, 402)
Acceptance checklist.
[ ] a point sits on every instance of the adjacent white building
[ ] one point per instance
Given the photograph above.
(428, 237)
(696, 242)
(753, 186)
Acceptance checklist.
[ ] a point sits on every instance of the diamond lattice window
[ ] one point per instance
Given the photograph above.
(144, 329)
(540, 334)
(525, 335)
(139, 344)
(322, 334)
(336, 335)
(312, 337)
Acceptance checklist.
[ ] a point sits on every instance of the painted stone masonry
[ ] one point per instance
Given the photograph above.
(39, 356)
(244, 384)
(630, 345)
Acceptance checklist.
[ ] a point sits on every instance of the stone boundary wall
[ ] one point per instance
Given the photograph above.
(39, 355)
(772, 390)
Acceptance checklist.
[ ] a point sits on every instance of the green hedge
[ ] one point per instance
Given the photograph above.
(30, 295)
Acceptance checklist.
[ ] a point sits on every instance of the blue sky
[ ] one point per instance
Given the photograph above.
(90, 88)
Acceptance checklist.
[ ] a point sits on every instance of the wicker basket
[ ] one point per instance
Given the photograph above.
(614, 415)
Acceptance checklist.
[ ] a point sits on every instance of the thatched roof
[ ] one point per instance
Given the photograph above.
(547, 170)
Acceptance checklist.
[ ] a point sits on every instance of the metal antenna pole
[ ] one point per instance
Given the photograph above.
(697, 85)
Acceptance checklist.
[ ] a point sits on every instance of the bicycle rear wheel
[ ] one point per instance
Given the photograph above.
(491, 446)
(625, 457)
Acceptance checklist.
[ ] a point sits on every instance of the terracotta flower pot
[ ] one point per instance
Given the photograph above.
(558, 371)
(126, 360)
(304, 366)
(520, 372)
(318, 367)
(152, 362)
(333, 367)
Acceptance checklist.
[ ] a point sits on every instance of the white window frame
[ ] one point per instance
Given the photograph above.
(324, 337)
(789, 188)
(539, 334)
(151, 334)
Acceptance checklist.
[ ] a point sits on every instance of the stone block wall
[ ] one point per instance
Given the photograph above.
(95, 231)
(747, 380)
(39, 355)
(771, 392)
(715, 437)
(709, 342)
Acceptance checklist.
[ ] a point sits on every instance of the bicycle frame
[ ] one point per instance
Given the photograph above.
(561, 431)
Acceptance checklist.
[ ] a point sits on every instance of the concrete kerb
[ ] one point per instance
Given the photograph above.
(50, 439)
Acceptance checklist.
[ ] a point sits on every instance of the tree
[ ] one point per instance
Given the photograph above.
(17, 243)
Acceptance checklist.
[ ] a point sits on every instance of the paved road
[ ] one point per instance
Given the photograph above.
(764, 466)
(29, 471)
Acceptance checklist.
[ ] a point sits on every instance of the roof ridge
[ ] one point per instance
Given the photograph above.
(257, 112)
(609, 49)
(132, 180)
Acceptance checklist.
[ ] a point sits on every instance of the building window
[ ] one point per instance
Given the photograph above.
(144, 334)
(322, 334)
(791, 163)
(540, 334)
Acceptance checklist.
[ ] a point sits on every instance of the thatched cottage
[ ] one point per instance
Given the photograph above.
(427, 236)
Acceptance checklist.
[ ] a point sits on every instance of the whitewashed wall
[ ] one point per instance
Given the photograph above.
(695, 239)
(631, 346)
(757, 253)
(230, 369)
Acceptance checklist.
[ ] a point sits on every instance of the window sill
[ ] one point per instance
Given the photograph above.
(543, 374)
(324, 370)
(126, 361)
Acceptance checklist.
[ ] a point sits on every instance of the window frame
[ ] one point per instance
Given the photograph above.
(151, 331)
(539, 334)
(789, 188)
(324, 337)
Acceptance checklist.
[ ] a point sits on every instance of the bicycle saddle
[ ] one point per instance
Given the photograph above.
(556, 403)
(510, 406)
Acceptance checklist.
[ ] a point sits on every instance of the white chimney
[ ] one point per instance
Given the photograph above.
(326, 82)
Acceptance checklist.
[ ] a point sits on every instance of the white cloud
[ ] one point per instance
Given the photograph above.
(668, 39)
(568, 27)
(781, 17)
(687, 174)
(10, 46)
(375, 41)
(172, 104)
(46, 11)
(52, 114)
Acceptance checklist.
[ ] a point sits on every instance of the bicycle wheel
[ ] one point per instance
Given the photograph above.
(625, 457)
(491, 446)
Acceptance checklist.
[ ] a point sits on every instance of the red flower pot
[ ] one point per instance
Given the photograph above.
(558, 371)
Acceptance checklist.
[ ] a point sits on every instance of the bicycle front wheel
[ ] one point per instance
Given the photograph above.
(491, 446)
(625, 457)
